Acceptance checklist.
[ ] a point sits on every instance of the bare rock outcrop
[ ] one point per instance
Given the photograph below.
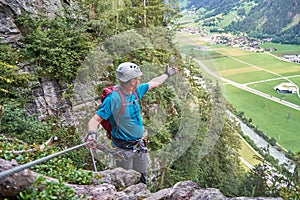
(115, 184)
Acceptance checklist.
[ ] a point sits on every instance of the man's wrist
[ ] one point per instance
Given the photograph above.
(89, 134)
(166, 73)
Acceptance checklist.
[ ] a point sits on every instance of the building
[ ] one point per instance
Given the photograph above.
(286, 88)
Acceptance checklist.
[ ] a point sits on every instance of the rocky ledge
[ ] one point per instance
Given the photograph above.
(115, 184)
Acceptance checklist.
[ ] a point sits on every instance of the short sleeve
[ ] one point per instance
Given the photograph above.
(105, 109)
(142, 89)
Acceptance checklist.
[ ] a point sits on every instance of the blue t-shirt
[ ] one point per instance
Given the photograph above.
(130, 123)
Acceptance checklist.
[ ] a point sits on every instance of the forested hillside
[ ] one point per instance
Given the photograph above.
(215, 6)
(277, 19)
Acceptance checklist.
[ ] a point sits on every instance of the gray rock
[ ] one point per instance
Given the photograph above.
(113, 184)
(208, 194)
(118, 177)
(134, 192)
(9, 30)
(183, 190)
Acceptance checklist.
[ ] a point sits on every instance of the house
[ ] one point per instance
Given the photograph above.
(286, 88)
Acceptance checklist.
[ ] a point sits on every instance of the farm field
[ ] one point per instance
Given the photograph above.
(262, 72)
(258, 62)
(265, 88)
(282, 49)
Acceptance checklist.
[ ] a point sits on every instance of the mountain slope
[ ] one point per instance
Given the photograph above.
(259, 18)
(276, 18)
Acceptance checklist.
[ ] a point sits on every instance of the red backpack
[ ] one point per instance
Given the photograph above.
(105, 92)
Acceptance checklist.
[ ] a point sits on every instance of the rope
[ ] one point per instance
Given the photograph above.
(93, 160)
(38, 161)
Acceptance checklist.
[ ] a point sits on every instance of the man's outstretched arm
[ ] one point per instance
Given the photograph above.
(157, 81)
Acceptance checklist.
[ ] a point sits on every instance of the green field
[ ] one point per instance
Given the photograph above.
(268, 88)
(283, 123)
(259, 71)
(227, 64)
(250, 76)
(185, 39)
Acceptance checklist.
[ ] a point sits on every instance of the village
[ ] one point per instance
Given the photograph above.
(243, 42)
(292, 58)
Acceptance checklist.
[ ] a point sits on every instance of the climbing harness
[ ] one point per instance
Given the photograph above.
(38, 161)
(139, 145)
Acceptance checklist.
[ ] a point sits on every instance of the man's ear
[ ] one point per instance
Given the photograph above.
(132, 82)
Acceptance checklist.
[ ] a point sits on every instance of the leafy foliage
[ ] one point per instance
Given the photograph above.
(15, 122)
(265, 181)
(62, 167)
(8, 54)
(11, 79)
(55, 46)
(51, 190)
(255, 183)
(220, 168)
(111, 17)
(28, 129)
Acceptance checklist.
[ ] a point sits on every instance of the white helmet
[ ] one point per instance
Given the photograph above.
(127, 71)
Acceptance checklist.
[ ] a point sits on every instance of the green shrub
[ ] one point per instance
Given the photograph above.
(13, 84)
(50, 190)
(55, 47)
(60, 167)
(27, 128)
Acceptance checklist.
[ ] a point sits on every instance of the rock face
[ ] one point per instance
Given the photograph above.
(119, 184)
(48, 101)
(9, 30)
(48, 94)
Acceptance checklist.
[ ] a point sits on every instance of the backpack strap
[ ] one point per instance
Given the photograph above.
(123, 103)
(136, 96)
(123, 100)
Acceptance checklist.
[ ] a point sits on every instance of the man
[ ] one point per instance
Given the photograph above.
(127, 129)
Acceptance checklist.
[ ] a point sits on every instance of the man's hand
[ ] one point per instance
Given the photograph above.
(171, 71)
(92, 138)
(157, 81)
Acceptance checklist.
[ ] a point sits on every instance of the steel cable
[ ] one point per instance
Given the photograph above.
(35, 162)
